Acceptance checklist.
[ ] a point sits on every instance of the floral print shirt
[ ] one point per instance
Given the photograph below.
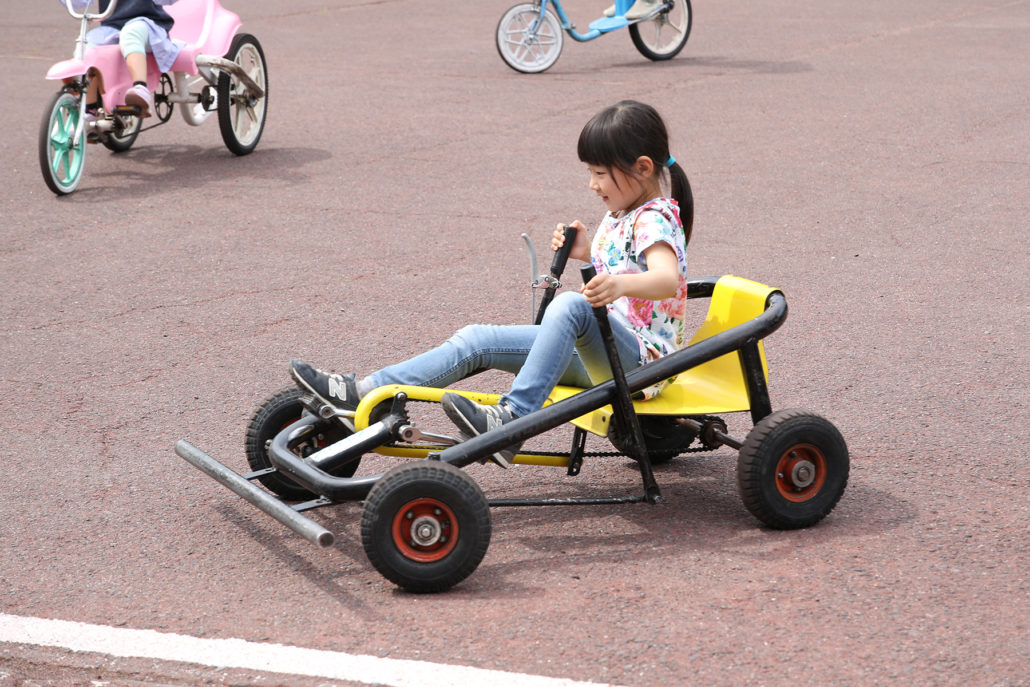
(618, 248)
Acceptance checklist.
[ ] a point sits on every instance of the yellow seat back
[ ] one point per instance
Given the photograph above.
(717, 386)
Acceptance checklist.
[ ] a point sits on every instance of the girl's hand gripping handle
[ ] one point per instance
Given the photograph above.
(561, 256)
(588, 272)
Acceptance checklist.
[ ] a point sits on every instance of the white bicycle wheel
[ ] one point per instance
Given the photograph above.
(663, 37)
(527, 42)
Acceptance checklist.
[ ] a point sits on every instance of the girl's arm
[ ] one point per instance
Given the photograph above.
(660, 281)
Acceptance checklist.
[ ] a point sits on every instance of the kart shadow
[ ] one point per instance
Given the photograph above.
(700, 514)
(169, 168)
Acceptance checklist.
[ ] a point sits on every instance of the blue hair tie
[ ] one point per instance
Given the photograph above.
(671, 161)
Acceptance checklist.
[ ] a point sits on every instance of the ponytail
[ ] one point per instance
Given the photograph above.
(681, 193)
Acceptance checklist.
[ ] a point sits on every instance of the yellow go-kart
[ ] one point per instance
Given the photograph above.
(426, 523)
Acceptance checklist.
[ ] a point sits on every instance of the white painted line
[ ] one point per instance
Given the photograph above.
(273, 658)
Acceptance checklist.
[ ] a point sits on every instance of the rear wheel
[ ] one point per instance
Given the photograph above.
(663, 37)
(61, 158)
(278, 412)
(241, 114)
(792, 469)
(426, 526)
(120, 141)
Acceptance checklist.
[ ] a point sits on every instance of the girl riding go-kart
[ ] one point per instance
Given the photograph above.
(611, 359)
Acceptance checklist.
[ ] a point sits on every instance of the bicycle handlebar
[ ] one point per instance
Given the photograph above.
(89, 15)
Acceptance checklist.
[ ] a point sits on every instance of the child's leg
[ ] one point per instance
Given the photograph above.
(568, 327)
(471, 350)
(134, 41)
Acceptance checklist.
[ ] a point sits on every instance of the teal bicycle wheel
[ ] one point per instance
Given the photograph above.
(61, 158)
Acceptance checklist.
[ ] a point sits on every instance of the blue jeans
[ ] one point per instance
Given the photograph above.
(566, 348)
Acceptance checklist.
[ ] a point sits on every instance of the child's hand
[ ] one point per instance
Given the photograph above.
(602, 290)
(580, 248)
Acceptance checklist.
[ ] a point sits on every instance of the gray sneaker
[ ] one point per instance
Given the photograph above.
(473, 419)
(339, 391)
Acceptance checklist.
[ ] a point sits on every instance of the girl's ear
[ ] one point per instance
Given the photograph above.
(644, 166)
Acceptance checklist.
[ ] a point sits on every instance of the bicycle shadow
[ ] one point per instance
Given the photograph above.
(720, 65)
(173, 168)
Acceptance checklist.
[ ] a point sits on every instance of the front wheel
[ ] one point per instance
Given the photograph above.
(663, 37)
(426, 526)
(528, 41)
(275, 414)
(61, 158)
(792, 469)
(241, 113)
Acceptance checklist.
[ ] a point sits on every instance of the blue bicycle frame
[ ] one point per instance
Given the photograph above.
(597, 27)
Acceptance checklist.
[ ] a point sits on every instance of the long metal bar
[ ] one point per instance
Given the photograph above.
(521, 429)
(338, 489)
(305, 527)
(623, 403)
(754, 374)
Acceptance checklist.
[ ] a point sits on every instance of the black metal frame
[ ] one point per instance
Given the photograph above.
(312, 472)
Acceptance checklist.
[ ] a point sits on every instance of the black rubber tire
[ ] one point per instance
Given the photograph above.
(445, 500)
(663, 436)
(792, 469)
(529, 56)
(61, 164)
(229, 108)
(279, 410)
(641, 33)
(120, 144)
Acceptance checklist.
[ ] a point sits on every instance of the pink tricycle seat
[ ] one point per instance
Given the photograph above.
(205, 26)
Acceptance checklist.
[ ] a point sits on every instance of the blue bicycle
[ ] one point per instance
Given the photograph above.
(529, 35)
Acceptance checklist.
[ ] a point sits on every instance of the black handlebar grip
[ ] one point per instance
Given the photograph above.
(561, 256)
(588, 272)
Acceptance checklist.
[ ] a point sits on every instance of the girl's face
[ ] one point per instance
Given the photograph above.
(621, 191)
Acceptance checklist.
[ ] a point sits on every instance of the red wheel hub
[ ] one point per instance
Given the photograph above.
(425, 530)
(800, 473)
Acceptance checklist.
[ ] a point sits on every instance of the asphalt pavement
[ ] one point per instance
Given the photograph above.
(872, 160)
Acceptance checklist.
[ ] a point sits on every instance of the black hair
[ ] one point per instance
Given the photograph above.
(618, 135)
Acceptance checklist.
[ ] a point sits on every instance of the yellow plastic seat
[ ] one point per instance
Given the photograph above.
(717, 386)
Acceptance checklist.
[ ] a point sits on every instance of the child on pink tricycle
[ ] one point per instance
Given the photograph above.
(145, 57)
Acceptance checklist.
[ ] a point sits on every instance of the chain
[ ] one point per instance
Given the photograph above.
(704, 447)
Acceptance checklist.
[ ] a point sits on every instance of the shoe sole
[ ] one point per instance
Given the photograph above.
(299, 380)
(466, 428)
(136, 101)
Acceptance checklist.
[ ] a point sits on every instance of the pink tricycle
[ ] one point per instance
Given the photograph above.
(217, 69)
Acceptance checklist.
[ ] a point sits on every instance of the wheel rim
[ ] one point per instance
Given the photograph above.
(425, 530)
(247, 112)
(526, 49)
(66, 159)
(663, 33)
(800, 473)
